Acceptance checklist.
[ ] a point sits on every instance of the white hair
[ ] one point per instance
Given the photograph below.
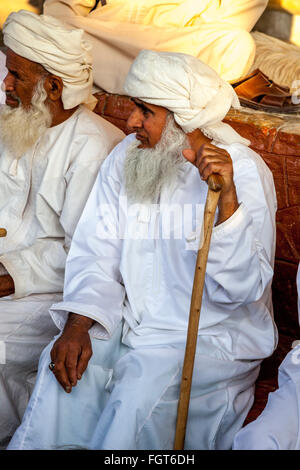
(20, 128)
(148, 170)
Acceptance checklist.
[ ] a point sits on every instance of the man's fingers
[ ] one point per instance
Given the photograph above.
(205, 150)
(211, 151)
(83, 361)
(52, 356)
(61, 376)
(213, 161)
(209, 146)
(205, 162)
(210, 169)
(58, 357)
(71, 362)
(71, 354)
(208, 154)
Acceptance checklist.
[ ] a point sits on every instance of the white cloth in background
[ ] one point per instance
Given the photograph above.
(187, 87)
(3, 72)
(278, 426)
(42, 195)
(39, 37)
(215, 32)
(148, 281)
(25, 329)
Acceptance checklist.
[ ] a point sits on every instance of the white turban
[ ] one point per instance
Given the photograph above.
(61, 51)
(192, 90)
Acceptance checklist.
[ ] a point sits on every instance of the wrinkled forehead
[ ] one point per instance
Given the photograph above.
(153, 108)
(21, 64)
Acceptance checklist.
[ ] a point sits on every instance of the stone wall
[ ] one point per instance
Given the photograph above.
(275, 23)
(277, 140)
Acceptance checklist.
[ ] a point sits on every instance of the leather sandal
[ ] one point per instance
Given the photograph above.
(257, 91)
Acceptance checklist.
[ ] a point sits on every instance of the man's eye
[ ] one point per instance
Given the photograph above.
(15, 74)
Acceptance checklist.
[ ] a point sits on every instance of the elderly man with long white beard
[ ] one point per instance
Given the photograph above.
(51, 149)
(129, 263)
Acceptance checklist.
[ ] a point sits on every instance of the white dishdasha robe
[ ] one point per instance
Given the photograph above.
(214, 31)
(129, 264)
(278, 426)
(42, 195)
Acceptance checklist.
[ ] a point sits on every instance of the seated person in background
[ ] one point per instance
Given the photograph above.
(278, 426)
(132, 260)
(214, 31)
(51, 147)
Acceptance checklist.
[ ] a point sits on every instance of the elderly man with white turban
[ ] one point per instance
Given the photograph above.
(131, 266)
(51, 149)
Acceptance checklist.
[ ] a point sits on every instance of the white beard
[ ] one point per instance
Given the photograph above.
(148, 170)
(20, 128)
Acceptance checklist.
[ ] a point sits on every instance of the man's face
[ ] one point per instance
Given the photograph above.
(148, 170)
(20, 81)
(148, 122)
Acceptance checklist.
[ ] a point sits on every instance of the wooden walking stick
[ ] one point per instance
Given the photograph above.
(215, 182)
(3, 232)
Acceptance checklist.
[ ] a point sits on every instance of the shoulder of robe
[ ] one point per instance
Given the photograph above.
(90, 123)
(113, 165)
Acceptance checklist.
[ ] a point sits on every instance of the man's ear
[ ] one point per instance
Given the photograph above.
(54, 87)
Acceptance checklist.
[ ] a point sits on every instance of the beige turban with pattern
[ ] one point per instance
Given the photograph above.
(62, 52)
(190, 89)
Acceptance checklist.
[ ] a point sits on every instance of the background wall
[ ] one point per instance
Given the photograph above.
(6, 7)
(282, 20)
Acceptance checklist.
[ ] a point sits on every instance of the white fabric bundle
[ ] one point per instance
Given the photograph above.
(61, 51)
(190, 89)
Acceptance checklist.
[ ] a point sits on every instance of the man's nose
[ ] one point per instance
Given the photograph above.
(135, 119)
(9, 82)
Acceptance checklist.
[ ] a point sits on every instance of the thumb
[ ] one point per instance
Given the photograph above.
(189, 154)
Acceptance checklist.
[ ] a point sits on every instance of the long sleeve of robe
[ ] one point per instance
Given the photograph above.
(131, 261)
(42, 196)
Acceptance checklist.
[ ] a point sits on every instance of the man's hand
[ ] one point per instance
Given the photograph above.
(7, 285)
(210, 159)
(72, 351)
